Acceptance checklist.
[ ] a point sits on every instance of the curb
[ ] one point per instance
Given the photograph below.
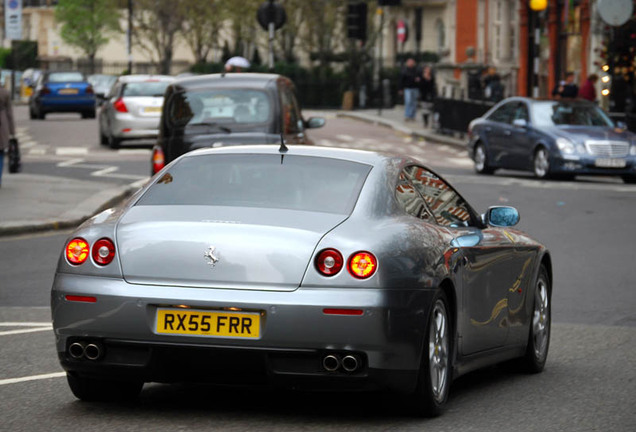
(74, 218)
(435, 138)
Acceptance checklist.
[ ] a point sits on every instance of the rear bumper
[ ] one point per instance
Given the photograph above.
(296, 335)
(125, 126)
(63, 104)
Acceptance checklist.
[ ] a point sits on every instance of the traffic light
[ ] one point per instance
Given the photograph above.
(357, 21)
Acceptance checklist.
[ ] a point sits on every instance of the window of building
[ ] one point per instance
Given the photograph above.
(441, 34)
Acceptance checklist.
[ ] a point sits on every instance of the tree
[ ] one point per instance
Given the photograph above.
(86, 24)
(202, 22)
(156, 24)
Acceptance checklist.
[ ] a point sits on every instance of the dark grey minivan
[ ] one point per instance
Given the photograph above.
(229, 109)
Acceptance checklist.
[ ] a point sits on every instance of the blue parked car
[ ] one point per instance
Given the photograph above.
(552, 138)
(62, 92)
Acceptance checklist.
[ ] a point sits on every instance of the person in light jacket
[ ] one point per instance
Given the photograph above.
(7, 126)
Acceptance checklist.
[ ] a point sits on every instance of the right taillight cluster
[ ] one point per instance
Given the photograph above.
(77, 251)
(361, 265)
(158, 159)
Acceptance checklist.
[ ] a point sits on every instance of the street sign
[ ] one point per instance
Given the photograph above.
(270, 12)
(13, 19)
(402, 31)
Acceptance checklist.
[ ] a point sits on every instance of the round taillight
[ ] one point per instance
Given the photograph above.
(329, 262)
(77, 251)
(158, 159)
(362, 265)
(103, 251)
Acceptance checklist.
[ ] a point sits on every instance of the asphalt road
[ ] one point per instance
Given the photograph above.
(589, 383)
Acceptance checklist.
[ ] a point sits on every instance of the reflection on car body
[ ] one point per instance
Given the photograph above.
(302, 267)
(229, 109)
(552, 138)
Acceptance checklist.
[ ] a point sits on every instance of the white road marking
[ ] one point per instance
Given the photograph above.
(71, 151)
(25, 324)
(31, 330)
(38, 151)
(105, 171)
(32, 378)
(343, 137)
(134, 152)
(70, 162)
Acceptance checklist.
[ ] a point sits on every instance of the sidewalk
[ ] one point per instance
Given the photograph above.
(31, 203)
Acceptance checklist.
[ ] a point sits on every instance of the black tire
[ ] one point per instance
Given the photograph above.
(435, 375)
(536, 353)
(103, 139)
(629, 179)
(480, 158)
(32, 115)
(541, 163)
(39, 114)
(113, 142)
(94, 390)
(88, 114)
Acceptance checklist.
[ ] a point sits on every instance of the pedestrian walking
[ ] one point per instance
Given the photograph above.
(588, 89)
(409, 87)
(493, 88)
(566, 88)
(7, 126)
(428, 92)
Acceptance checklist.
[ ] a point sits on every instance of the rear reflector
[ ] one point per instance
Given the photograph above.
(126, 130)
(85, 299)
(355, 312)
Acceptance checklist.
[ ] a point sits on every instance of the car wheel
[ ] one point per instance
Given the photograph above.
(88, 114)
(541, 163)
(539, 333)
(32, 115)
(629, 179)
(113, 142)
(91, 389)
(103, 139)
(481, 160)
(435, 373)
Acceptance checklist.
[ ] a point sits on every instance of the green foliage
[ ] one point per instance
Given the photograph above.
(86, 23)
(5, 54)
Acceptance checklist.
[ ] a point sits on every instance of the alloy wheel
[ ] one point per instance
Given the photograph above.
(541, 163)
(541, 320)
(438, 351)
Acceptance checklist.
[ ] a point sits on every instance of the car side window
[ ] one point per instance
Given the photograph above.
(291, 114)
(521, 112)
(448, 207)
(503, 114)
(411, 201)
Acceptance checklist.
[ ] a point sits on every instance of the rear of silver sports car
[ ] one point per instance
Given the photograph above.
(267, 286)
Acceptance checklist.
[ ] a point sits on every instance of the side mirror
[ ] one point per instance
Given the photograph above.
(315, 122)
(501, 216)
(520, 123)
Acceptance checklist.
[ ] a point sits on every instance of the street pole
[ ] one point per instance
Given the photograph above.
(380, 63)
(129, 35)
(537, 54)
(271, 28)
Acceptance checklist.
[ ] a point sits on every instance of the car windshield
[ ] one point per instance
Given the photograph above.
(145, 88)
(554, 113)
(66, 77)
(102, 81)
(304, 183)
(243, 109)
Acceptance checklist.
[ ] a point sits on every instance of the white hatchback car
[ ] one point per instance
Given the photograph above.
(132, 109)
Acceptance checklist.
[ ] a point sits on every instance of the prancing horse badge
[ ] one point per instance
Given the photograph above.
(211, 256)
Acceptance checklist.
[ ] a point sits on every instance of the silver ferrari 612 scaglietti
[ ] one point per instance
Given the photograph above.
(302, 267)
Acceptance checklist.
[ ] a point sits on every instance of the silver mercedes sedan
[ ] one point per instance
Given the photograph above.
(302, 267)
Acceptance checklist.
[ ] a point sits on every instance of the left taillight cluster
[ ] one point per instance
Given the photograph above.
(361, 265)
(78, 250)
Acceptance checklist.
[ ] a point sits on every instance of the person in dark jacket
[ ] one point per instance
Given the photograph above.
(428, 91)
(566, 88)
(7, 126)
(409, 87)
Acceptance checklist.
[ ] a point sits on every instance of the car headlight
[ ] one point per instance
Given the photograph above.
(565, 145)
(632, 150)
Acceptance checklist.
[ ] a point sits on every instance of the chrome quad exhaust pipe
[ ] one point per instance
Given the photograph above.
(93, 351)
(85, 350)
(331, 363)
(350, 363)
(76, 350)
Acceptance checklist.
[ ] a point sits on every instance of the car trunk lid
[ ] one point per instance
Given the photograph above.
(220, 247)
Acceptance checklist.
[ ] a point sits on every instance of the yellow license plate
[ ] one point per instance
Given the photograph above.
(152, 109)
(207, 323)
(68, 91)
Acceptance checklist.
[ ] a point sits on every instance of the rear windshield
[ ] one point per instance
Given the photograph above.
(66, 77)
(267, 181)
(236, 109)
(145, 88)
